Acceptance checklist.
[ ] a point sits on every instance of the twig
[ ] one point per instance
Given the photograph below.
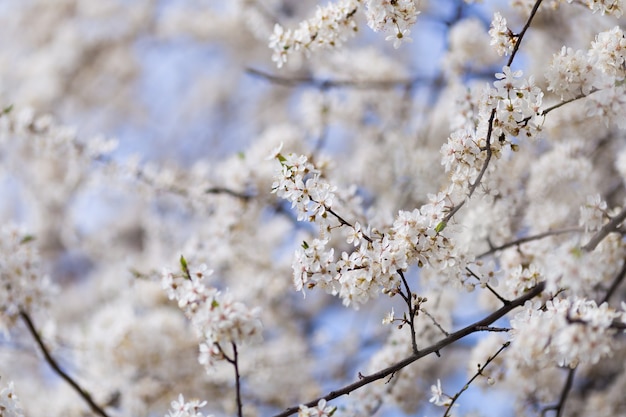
(472, 328)
(237, 381)
(529, 239)
(476, 375)
(329, 84)
(533, 12)
(409, 302)
(228, 191)
(55, 366)
(605, 231)
(616, 282)
(435, 322)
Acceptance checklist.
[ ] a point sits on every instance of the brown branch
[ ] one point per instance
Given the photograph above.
(329, 84)
(533, 12)
(528, 239)
(472, 328)
(605, 231)
(55, 366)
(228, 191)
(616, 283)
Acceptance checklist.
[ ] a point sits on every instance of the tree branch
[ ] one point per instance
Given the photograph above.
(528, 239)
(472, 328)
(605, 231)
(55, 366)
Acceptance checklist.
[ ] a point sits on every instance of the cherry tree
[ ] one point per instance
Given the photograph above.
(353, 208)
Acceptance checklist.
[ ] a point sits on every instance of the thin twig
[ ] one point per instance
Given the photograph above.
(616, 283)
(55, 366)
(533, 12)
(569, 382)
(228, 191)
(529, 239)
(435, 322)
(476, 375)
(409, 302)
(472, 328)
(237, 381)
(330, 84)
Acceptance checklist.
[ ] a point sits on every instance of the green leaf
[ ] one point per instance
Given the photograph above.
(26, 239)
(184, 267)
(305, 245)
(8, 109)
(214, 304)
(442, 225)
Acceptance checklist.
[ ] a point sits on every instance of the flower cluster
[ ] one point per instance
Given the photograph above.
(416, 237)
(395, 15)
(329, 28)
(301, 183)
(599, 70)
(217, 317)
(10, 405)
(567, 332)
(182, 408)
(501, 36)
(593, 213)
(611, 7)
(518, 102)
(24, 286)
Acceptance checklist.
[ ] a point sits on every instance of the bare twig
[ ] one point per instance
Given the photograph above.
(616, 283)
(330, 84)
(55, 366)
(533, 12)
(228, 191)
(481, 368)
(237, 381)
(529, 239)
(409, 302)
(472, 328)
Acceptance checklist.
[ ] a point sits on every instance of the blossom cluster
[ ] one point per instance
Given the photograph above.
(598, 73)
(502, 38)
(217, 317)
(510, 109)
(333, 23)
(567, 332)
(392, 15)
(330, 27)
(299, 182)
(24, 285)
(415, 237)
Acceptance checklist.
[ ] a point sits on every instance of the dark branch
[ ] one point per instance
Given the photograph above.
(528, 239)
(605, 231)
(364, 380)
(55, 366)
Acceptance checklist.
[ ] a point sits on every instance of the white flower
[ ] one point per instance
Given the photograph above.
(10, 405)
(437, 396)
(181, 408)
(399, 37)
(389, 317)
